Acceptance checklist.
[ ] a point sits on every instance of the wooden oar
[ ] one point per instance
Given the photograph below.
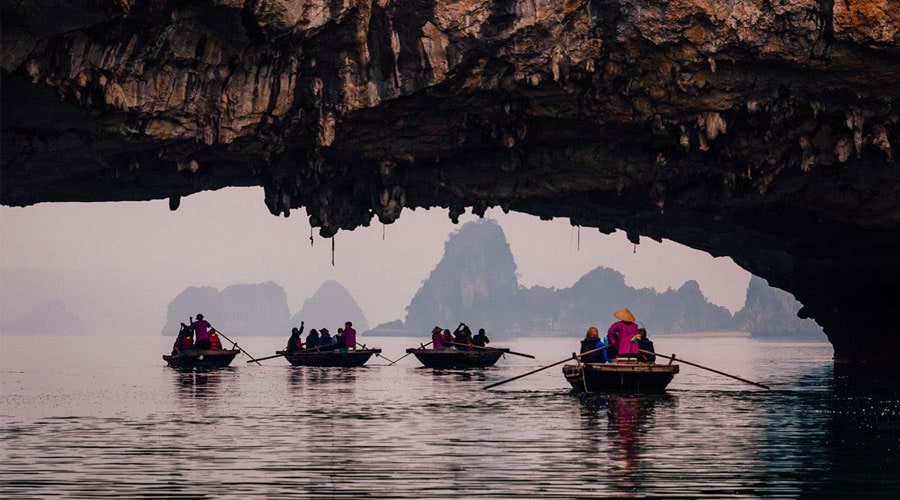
(378, 354)
(407, 354)
(265, 358)
(494, 349)
(236, 346)
(574, 356)
(672, 357)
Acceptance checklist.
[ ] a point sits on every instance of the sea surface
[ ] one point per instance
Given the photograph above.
(104, 417)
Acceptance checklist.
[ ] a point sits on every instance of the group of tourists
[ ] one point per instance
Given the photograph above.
(200, 334)
(322, 339)
(624, 340)
(197, 335)
(461, 339)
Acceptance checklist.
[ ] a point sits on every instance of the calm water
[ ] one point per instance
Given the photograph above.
(99, 417)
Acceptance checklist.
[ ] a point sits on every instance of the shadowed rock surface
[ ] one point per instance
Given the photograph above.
(762, 129)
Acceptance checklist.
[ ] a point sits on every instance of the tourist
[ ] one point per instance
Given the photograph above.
(462, 337)
(294, 342)
(338, 340)
(312, 339)
(437, 338)
(481, 339)
(201, 332)
(623, 335)
(184, 340)
(590, 342)
(214, 343)
(645, 344)
(324, 339)
(447, 338)
(349, 335)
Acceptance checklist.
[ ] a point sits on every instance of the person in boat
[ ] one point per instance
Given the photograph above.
(645, 344)
(481, 339)
(185, 340)
(214, 343)
(325, 341)
(623, 335)
(349, 335)
(338, 340)
(462, 337)
(447, 337)
(200, 327)
(294, 342)
(437, 338)
(590, 342)
(312, 339)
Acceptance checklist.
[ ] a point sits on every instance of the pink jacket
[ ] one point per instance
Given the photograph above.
(349, 336)
(620, 333)
(438, 340)
(201, 327)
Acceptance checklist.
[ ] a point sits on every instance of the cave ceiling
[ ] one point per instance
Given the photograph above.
(761, 130)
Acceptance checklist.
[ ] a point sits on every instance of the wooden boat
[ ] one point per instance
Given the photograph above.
(335, 357)
(621, 376)
(452, 358)
(201, 358)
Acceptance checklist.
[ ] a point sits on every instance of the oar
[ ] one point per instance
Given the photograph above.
(672, 357)
(265, 358)
(238, 347)
(378, 354)
(407, 354)
(494, 349)
(574, 356)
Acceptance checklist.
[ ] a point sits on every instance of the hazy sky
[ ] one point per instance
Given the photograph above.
(118, 265)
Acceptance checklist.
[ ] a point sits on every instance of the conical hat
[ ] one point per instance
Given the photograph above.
(624, 315)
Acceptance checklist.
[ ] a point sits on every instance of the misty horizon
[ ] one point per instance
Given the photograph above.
(117, 265)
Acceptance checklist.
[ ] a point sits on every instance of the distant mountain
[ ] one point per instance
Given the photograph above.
(330, 307)
(770, 312)
(244, 309)
(475, 282)
(48, 318)
(593, 299)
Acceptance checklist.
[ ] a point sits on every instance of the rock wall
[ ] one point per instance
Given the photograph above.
(761, 129)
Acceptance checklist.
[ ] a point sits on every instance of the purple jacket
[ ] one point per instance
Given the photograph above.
(349, 336)
(201, 327)
(620, 334)
(438, 340)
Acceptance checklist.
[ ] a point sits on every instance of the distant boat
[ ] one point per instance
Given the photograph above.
(201, 358)
(336, 357)
(621, 376)
(452, 358)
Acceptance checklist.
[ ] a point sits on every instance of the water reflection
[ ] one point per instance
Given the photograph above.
(201, 384)
(451, 376)
(618, 426)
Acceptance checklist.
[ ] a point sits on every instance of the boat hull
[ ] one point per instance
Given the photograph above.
(620, 377)
(451, 358)
(338, 358)
(201, 358)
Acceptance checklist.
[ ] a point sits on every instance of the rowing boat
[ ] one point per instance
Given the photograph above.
(452, 358)
(624, 375)
(201, 358)
(336, 357)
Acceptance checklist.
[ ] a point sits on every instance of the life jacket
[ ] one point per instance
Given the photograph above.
(214, 343)
(187, 342)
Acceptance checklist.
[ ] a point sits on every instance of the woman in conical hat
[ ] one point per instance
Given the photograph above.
(621, 333)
